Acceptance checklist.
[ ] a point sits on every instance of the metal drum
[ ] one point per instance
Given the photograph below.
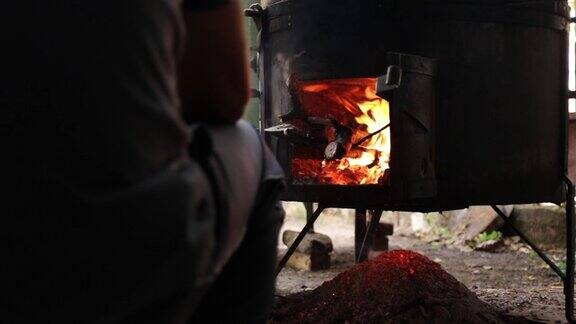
(501, 84)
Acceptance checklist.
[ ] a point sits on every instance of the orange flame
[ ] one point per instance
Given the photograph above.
(354, 104)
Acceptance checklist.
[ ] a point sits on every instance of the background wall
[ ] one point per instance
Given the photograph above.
(253, 109)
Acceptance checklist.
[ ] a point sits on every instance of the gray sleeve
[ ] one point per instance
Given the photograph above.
(203, 4)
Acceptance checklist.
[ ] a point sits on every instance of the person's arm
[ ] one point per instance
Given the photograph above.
(213, 74)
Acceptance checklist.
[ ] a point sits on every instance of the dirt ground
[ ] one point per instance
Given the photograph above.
(513, 282)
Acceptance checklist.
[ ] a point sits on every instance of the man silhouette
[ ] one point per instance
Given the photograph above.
(133, 193)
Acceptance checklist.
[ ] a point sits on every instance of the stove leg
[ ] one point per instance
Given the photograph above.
(359, 234)
(309, 213)
(309, 224)
(568, 275)
(570, 251)
(368, 238)
(529, 242)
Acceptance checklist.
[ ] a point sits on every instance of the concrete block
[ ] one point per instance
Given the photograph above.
(309, 262)
(545, 225)
(380, 243)
(475, 220)
(313, 243)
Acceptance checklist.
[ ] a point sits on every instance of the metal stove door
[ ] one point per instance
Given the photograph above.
(410, 87)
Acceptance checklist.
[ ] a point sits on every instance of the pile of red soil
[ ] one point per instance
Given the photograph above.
(395, 287)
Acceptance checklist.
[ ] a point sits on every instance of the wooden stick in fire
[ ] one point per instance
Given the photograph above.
(363, 139)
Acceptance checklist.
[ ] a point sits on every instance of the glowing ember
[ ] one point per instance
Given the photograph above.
(395, 287)
(354, 104)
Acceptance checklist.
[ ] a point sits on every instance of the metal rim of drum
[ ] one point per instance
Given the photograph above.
(547, 14)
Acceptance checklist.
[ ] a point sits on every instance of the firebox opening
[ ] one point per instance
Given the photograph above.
(350, 125)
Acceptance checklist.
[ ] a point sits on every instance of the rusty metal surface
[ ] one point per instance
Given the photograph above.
(501, 116)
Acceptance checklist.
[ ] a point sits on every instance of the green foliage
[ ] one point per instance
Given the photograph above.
(488, 236)
(562, 265)
(439, 233)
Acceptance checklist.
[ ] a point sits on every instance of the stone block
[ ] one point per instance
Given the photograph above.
(469, 223)
(380, 243)
(313, 243)
(309, 262)
(544, 225)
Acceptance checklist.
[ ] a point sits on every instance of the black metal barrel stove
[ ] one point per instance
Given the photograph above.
(476, 92)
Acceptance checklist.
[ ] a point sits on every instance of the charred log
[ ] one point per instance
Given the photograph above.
(339, 147)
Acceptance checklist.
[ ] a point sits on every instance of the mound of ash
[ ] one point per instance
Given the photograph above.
(395, 287)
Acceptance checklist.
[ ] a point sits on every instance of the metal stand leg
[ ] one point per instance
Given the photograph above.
(570, 250)
(309, 213)
(299, 238)
(528, 241)
(567, 276)
(359, 233)
(362, 254)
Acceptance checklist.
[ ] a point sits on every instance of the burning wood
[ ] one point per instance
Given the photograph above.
(339, 146)
(358, 135)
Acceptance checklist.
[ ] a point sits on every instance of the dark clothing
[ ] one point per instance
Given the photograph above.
(138, 251)
(91, 85)
(93, 89)
(243, 291)
(106, 215)
(71, 258)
